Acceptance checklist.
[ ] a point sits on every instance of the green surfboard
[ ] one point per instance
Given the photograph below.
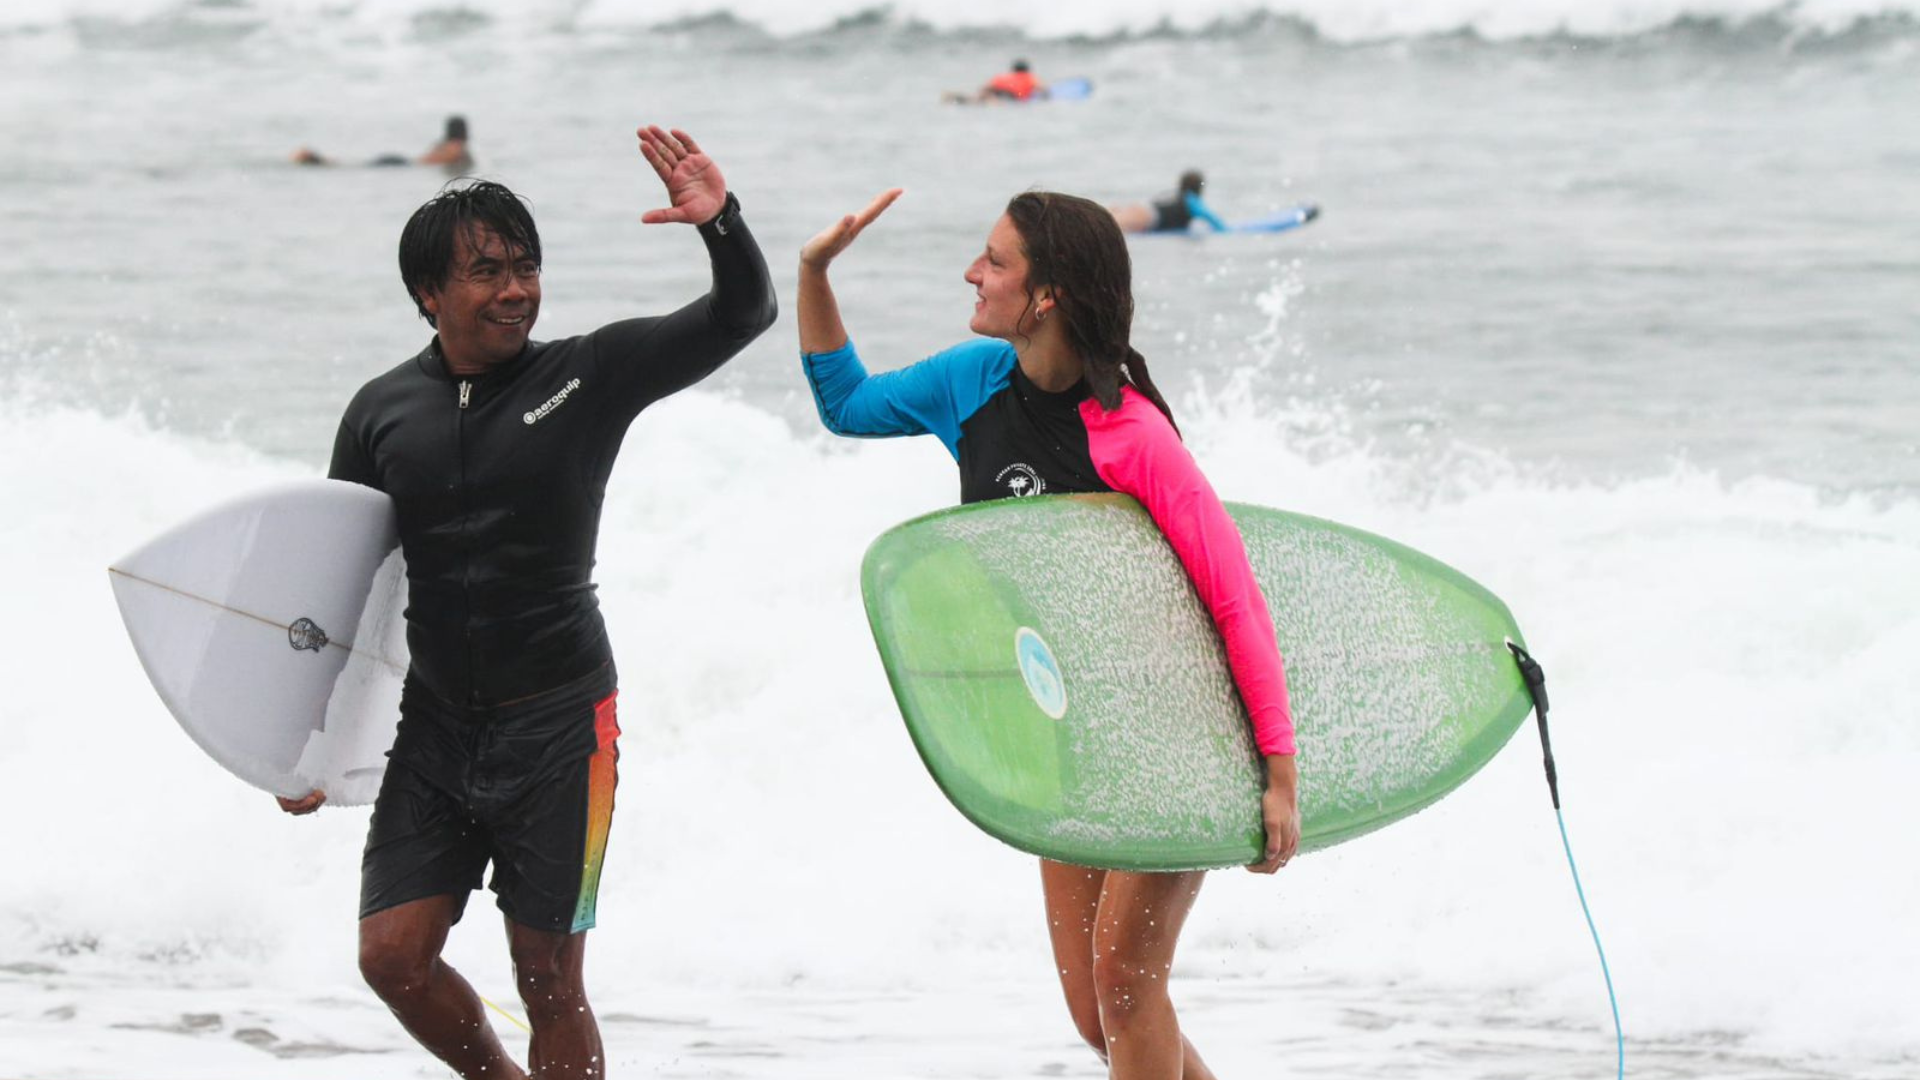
(1070, 695)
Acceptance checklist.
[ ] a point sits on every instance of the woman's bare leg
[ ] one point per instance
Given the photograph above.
(1135, 933)
(1073, 900)
(1083, 907)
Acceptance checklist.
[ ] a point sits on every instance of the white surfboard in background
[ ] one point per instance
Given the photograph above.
(271, 627)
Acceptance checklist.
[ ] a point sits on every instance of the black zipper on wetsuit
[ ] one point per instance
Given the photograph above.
(466, 522)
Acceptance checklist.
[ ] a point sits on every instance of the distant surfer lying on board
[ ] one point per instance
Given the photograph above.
(450, 153)
(1053, 398)
(1177, 212)
(1173, 213)
(496, 451)
(1016, 84)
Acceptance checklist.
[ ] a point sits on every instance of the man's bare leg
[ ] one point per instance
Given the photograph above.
(400, 958)
(549, 967)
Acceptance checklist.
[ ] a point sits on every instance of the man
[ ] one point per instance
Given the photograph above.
(496, 451)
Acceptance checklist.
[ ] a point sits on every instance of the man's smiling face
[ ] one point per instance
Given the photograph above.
(489, 303)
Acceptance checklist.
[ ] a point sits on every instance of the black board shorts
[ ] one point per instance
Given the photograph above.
(515, 791)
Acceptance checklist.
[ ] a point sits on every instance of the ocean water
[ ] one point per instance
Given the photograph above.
(1612, 306)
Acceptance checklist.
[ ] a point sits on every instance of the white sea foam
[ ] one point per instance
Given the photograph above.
(1730, 668)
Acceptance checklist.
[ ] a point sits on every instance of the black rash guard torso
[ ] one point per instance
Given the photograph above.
(1026, 441)
(498, 480)
(1172, 214)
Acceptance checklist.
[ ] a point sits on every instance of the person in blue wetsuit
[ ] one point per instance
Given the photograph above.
(1053, 398)
(1175, 213)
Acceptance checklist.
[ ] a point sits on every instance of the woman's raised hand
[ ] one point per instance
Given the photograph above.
(816, 253)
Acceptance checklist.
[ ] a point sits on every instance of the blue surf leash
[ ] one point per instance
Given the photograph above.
(1536, 680)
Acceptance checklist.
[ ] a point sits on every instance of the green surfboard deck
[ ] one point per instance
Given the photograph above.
(993, 618)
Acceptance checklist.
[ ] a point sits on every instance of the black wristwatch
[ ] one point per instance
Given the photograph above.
(727, 219)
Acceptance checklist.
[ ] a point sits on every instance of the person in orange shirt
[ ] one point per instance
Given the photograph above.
(1017, 83)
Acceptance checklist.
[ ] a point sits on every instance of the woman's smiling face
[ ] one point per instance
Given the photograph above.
(1002, 306)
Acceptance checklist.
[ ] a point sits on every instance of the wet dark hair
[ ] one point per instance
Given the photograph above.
(1019, 65)
(456, 128)
(1192, 181)
(1074, 247)
(427, 243)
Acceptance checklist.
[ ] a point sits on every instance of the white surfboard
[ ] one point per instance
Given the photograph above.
(271, 627)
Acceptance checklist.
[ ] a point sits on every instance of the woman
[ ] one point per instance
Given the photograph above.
(1172, 214)
(1054, 399)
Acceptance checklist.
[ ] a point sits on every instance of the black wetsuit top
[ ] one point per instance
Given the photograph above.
(1026, 441)
(1172, 214)
(1010, 438)
(498, 480)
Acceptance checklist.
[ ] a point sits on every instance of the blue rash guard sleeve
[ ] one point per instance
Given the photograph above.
(932, 397)
(1201, 211)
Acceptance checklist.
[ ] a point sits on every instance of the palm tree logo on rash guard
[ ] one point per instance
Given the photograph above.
(1021, 480)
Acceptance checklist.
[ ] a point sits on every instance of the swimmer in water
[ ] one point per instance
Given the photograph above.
(1017, 83)
(1172, 214)
(450, 153)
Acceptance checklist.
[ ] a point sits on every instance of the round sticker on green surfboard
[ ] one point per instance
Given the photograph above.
(1070, 695)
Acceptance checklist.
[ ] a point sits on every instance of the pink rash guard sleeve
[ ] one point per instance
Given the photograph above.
(1136, 450)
